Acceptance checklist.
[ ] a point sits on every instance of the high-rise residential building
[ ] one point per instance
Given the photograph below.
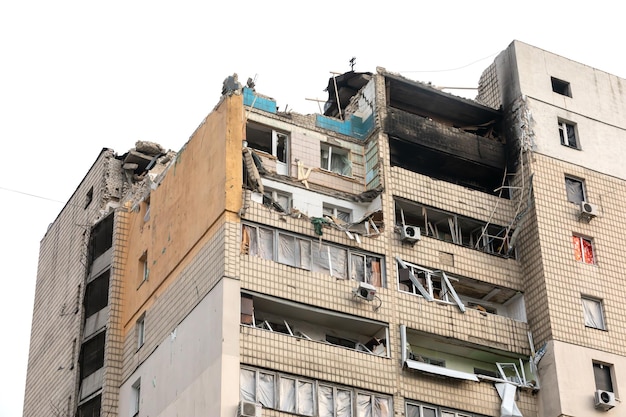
(408, 253)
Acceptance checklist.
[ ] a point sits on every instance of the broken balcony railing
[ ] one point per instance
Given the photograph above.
(314, 324)
(450, 227)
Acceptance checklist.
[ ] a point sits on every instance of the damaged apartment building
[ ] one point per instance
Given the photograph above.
(407, 252)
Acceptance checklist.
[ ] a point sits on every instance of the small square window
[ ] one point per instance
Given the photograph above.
(335, 159)
(593, 312)
(141, 330)
(568, 134)
(561, 87)
(583, 250)
(575, 189)
(602, 373)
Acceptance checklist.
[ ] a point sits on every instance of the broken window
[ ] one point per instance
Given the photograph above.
(303, 396)
(583, 250)
(101, 238)
(97, 294)
(302, 252)
(298, 320)
(267, 140)
(441, 286)
(460, 360)
(271, 142)
(593, 312)
(453, 228)
(575, 190)
(335, 159)
(602, 375)
(561, 87)
(568, 135)
(277, 200)
(345, 215)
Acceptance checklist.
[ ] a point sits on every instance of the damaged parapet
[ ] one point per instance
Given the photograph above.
(143, 167)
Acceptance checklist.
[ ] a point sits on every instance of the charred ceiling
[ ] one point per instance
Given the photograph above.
(343, 87)
(444, 136)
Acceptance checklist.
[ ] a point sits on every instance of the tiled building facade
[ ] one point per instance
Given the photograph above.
(407, 253)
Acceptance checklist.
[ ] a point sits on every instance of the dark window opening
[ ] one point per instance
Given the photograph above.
(89, 197)
(90, 409)
(97, 294)
(101, 238)
(92, 355)
(269, 141)
(602, 375)
(567, 133)
(561, 87)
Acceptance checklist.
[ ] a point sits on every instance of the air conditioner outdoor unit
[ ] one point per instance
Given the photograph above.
(410, 233)
(604, 400)
(588, 210)
(248, 409)
(365, 291)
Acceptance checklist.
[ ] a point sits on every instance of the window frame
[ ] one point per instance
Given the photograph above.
(316, 251)
(603, 370)
(341, 213)
(346, 171)
(140, 326)
(589, 321)
(440, 411)
(565, 127)
(316, 387)
(583, 189)
(273, 148)
(136, 398)
(580, 247)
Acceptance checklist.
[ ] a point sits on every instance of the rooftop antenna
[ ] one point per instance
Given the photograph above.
(352, 62)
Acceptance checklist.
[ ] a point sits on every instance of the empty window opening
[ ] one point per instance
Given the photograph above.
(267, 140)
(442, 287)
(583, 250)
(453, 228)
(140, 329)
(602, 373)
(335, 159)
(299, 320)
(593, 312)
(308, 397)
(575, 189)
(146, 216)
(568, 134)
(136, 398)
(304, 253)
(89, 197)
(92, 355)
(561, 87)
(97, 294)
(345, 215)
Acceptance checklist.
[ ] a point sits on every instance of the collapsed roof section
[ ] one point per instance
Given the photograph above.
(444, 136)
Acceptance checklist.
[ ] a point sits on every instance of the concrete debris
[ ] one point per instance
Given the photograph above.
(231, 85)
(149, 148)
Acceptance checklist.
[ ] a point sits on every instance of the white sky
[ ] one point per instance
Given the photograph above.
(77, 76)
